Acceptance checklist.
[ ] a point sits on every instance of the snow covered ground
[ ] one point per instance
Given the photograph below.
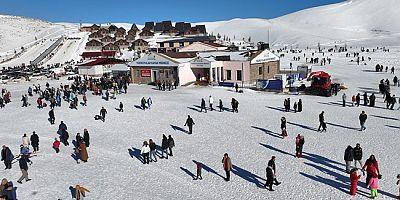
(362, 22)
(251, 137)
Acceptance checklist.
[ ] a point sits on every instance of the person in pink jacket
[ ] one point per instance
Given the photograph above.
(373, 184)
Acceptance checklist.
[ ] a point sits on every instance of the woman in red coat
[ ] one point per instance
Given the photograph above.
(354, 177)
(372, 168)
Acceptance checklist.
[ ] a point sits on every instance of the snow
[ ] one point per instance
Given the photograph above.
(366, 22)
(250, 137)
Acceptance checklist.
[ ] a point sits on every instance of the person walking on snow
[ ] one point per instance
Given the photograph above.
(153, 150)
(149, 102)
(271, 163)
(283, 127)
(80, 191)
(35, 142)
(358, 99)
(354, 177)
(211, 102)
(189, 123)
(348, 158)
(171, 144)
(357, 154)
(372, 168)
(86, 137)
(363, 119)
(322, 122)
(164, 146)
(83, 150)
(7, 157)
(145, 151)
(198, 171)
(23, 165)
(353, 100)
(299, 145)
(300, 106)
(203, 105)
(103, 113)
(56, 145)
(143, 103)
(221, 107)
(121, 107)
(25, 140)
(227, 165)
(344, 99)
(51, 116)
(373, 185)
(270, 178)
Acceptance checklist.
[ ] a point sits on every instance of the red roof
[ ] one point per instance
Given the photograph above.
(102, 61)
(98, 54)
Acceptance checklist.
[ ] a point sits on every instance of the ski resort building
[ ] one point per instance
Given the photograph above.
(153, 67)
(264, 65)
(97, 67)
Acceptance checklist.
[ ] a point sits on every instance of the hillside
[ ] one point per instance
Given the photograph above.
(364, 22)
(16, 32)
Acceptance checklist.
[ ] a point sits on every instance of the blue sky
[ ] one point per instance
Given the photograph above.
(139, 11)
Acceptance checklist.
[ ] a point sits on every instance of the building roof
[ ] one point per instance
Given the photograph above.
(100, 61)
(192, 39)
(178, 55)
(120, 67)
(98, 54)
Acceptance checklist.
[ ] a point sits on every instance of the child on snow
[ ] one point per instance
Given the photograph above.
(56, 145)
(354, 177)
(373, 184)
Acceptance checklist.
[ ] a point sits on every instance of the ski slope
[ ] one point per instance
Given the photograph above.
(30, 54)
(359, 22)
(71, 49)
(251, 137)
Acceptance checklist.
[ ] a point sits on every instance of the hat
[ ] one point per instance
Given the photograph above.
(4, 181)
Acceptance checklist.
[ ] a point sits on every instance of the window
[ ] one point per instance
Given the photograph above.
(171, 44)
(260, 70)
(137, 73)
(228, 75)
(239, 75)
(181, 44)
(166, 73)
(161, 44)
(268, 69)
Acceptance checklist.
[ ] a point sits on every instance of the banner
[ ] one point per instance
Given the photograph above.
(145, 72)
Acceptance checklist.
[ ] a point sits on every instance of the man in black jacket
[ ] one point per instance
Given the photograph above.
(271, 163)
(363, 119)
(348, 158)
(357, 153)
(23, 165)
(7, 157)
(189, 123)
(322, 122)
(270, 178)
(35, 141)
(203, 106)
(103, 113)
(51, 116)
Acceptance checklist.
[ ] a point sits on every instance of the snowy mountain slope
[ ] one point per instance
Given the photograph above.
(368, 22)
(19, 31)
